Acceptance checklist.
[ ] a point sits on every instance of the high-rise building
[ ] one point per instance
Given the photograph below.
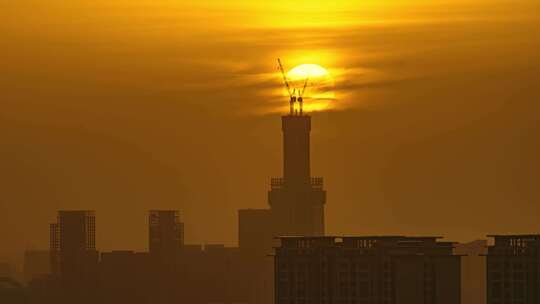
(296, 203)
(393, 269)
(166, 234)
(73, 246)
(297, 199)
(513, 269)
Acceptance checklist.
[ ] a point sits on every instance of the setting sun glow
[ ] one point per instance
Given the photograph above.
(319, 93)
(308, 70)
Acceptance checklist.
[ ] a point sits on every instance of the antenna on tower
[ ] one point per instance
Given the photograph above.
(286, 81)
(301, 94)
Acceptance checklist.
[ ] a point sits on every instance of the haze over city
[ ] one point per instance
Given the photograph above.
(428, 124)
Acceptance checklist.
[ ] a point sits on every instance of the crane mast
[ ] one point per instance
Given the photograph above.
(301, 96)
(292, 95)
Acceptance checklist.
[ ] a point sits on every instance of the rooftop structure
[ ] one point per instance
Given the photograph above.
(372, 269)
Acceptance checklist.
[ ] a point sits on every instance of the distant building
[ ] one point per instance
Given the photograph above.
(73, 250)
(513, 269)
(473, 271)
(199, 275)
(12, 292)
(37, 263)
(394, 269)
(212, 274)
(166, 234)
(125, 277)
(6, 270)
(255, 235)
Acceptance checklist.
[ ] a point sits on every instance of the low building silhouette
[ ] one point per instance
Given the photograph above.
(6, 270)
(255, 236)
(172, 272)
(513, 272)
(37, 264)
(473, 271)
(391, 269)
(125, 277)
(12, 292)
(198, 275)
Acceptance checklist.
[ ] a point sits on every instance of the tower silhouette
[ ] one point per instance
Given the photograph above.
(297, 199)
(296, 209)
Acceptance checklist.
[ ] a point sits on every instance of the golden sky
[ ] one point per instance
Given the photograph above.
(123, 106)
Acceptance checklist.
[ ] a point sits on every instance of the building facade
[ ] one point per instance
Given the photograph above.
(513, 269)
(473, 271)
(296, 202)
(297, 199)
(73, 245)
(366, 270)
(165, 234)
(74, 258)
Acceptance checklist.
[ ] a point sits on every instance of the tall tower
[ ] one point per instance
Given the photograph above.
(297, 199)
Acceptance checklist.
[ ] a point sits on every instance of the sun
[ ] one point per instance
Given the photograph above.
(319, 92)
(307, 70)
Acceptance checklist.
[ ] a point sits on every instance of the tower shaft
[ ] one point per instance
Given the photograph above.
(297, 200)
(296, 152)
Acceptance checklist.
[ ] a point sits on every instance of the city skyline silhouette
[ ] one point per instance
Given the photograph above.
(96, 127)
(308, 266)
(148, 133)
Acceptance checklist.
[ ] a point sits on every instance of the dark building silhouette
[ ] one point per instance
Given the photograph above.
(296, 203)
(170, 272)
(166, 234)
(6, 270)
(54, 247)
(213, 274)
(473, 271)
(297, 200)
(198, 275)
(12, 292)
(74, 259)
(392, 269)
(37, 263)
(255, 231)
(126, 277)
(513, 269)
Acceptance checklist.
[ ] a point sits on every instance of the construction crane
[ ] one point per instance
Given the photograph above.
(292, 94)
(301, 94)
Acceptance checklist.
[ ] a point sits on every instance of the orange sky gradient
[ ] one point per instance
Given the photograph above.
(125, 106)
